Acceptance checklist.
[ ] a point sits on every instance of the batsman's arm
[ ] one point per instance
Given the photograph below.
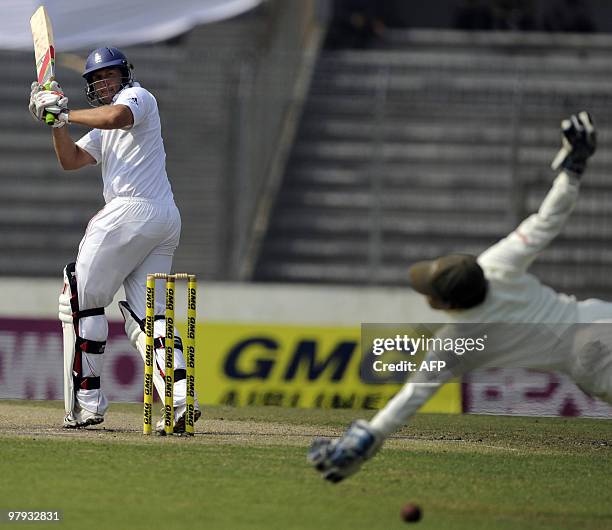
(104, 117)
(69, 154)
(518, 250)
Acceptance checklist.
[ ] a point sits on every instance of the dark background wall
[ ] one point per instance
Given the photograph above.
(442, 13)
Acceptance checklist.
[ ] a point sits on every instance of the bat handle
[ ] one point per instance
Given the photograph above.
(49, 118)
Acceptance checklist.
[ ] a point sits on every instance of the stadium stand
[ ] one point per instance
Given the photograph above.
(435, 142)
(431, 142)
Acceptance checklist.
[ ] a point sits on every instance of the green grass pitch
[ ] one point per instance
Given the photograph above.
(246, 468)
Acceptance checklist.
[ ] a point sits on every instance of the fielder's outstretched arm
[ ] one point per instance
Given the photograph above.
(516, 252)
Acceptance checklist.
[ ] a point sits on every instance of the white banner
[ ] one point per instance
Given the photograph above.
(93, 23)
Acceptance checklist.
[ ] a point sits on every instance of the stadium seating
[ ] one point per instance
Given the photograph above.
(437, 142)
(429, 143)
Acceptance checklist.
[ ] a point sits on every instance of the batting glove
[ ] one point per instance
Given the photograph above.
(579, 142)
(52, 100)
(35, 88)
(61, 119)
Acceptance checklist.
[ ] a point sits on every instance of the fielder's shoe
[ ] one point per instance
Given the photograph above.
(179, 424)
(82, 418)
(340, 458)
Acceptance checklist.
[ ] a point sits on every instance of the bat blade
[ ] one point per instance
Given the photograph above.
(44, 48)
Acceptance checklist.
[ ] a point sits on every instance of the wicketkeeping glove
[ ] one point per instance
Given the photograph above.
(578, 143)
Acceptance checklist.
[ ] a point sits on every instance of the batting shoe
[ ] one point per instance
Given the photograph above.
(82, 418)
(342, 457)
(179, 422)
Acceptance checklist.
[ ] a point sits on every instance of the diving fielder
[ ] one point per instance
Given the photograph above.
(495, 287)
(136, 233)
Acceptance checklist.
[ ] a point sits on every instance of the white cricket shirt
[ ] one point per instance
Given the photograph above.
(133, 160)
(514, 294)
(517, 297)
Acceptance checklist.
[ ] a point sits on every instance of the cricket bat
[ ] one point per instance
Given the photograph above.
(44, 50)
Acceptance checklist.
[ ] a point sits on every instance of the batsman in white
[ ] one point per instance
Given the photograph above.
(495, 287)
(136, 232)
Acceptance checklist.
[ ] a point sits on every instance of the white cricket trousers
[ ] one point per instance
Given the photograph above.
(126, 240)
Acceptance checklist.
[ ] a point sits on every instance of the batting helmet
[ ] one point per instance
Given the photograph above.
(105, 58)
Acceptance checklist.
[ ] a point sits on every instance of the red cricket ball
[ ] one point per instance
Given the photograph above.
(411, 513)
